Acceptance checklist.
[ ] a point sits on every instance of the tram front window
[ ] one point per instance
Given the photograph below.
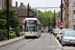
(30, 26)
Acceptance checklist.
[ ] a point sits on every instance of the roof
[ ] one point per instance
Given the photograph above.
(23, 11)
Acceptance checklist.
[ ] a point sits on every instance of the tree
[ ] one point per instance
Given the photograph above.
(44, 17)
(3, 24)
(14, 21)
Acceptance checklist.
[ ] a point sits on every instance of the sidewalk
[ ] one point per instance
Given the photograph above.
(10, 41)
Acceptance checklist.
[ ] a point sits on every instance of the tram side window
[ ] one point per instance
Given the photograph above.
(39, 27)
(25, 26)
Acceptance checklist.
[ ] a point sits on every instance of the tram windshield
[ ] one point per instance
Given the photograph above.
(30, 25)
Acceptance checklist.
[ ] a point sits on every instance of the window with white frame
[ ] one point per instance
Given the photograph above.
(74, 27)
(74, 3)
(0, 4)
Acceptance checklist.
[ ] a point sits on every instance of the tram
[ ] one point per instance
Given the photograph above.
(32, 27)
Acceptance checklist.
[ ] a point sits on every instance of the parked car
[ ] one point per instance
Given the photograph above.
(59, 34)
(42, 30)
(45, 31)
(63, 30)
(53, 30)
(56, 31)
(68, 37)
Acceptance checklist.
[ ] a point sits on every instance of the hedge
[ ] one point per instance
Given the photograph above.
(3, 34)
(12, 35)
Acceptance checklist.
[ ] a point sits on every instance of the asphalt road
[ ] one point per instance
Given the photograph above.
(46, 42)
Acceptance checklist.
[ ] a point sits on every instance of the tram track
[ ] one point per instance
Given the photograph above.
(17, 43)
(24, 44)
(42, 42)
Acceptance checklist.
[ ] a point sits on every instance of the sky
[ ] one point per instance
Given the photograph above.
(40, 3)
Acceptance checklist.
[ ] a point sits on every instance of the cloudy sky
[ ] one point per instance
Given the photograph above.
(41, 3)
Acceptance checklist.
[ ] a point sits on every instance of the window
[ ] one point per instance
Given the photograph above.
(0, 4)
(73, 15)
(74, 27)
(74, 3)
(23, 20)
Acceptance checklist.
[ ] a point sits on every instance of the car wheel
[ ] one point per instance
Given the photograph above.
(58, 38)
(63, 44)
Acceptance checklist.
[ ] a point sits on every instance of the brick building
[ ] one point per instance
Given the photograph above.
(22, 13)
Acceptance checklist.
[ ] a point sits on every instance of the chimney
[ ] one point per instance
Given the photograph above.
(16, 4)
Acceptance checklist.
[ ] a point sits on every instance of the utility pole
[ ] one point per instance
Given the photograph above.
(49, 24)
(33, 14)
(8, 17)
(61, 12)
(28, 10)
(54, 19)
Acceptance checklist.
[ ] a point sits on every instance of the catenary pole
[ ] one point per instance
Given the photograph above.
(28, 10)
(8, 17)
(61, 12)
(54, 18)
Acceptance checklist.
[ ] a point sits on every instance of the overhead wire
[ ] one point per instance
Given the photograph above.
(28, 1)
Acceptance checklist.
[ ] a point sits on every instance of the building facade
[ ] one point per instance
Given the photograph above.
(72, 14)
(65, 14)
(68, 14)
(3, 3)
(22, 13)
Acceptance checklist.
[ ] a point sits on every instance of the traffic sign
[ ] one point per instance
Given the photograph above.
(61, 23)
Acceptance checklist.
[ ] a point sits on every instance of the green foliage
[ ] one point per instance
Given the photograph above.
(14, 21)
(44, 17)
(20, 28)
(3, 34)
(22, 34)
(12, 35)
(5, 38)
(3, 24)
(16, 30)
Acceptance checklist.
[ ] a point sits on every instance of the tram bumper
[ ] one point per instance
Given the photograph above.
(29, 34)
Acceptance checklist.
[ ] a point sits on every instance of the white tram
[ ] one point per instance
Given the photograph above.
(32, 27)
